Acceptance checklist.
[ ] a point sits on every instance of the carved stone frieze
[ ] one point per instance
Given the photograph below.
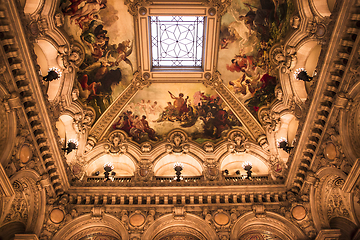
(237, 142)
(146, 147)
(145, 171)
(71, 58)
(134, 5)
(83, 121)
(116, 143)
(270, 120)
(317, 27)
(284, 57)
(221, 6)
(19, 207)
(38, 25)
(277, 167)
(211, 169)
(177, 142)
(208, 147)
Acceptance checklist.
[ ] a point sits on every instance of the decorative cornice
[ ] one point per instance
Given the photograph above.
(34, 106)
(329, 82)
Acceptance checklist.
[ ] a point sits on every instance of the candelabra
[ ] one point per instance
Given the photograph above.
(247, 166)
(284, 145)
(178, 167)
(71, 144)
(301, 74)
(108, 167)
(53, 74)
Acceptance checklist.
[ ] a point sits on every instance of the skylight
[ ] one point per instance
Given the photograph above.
(177, 41)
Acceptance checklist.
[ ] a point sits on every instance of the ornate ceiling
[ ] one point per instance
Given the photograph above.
(80, 73)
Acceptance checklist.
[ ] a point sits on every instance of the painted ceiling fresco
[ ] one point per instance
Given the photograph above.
(157, 110)
(248, 31)
(105, 30)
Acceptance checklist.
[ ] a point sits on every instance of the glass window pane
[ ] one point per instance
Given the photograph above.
(177, 41)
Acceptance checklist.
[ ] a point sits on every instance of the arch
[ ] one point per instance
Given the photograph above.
(304, 51)
(322, 7)
(328, 200)
(32, 6)
(8, 126)
(282, 134)
(254, 154)
(165, 223)
(233, 162)
(8, 231)
(273, 222)
(123, 165)
(86, 224)
(349, 132)
(50, 52)
(37, 201)
(347, 228)
(164, 165)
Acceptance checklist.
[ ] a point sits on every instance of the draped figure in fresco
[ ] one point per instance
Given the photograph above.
(83, 8)
(180, 104)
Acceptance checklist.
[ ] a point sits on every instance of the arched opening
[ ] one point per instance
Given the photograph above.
(283, 133)
(165, 166)
(47, 57)
(67, 131)
(8, 231)
(41, 59)
(348, 229)
(292, 129)
(30, 6)
(307, 58)
(177, 233)
(234, 163)
(123, 166)
(86, 227)
(61, 130)
(273, 226)
(311, 64)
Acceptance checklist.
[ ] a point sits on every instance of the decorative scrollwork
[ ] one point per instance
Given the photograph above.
(237, 141)
(116, 143)
(177, 142)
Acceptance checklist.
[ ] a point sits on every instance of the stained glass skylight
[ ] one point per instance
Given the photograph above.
(177, 41)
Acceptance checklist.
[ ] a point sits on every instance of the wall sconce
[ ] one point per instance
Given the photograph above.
(53, 74)
(301, 74)
(71, 145)
(284, 145)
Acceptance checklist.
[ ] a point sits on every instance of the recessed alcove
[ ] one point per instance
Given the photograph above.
(165, 166)
(234, 162)
(123, 165)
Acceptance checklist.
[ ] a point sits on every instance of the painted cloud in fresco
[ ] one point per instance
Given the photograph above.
(105, 30)
(248, 31)
(157, 110)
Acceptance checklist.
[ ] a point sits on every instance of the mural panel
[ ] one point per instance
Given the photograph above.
(105, 30)
(157, 110)
(248, 31)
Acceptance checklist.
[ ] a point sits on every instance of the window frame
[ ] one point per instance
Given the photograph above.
(171, 74)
